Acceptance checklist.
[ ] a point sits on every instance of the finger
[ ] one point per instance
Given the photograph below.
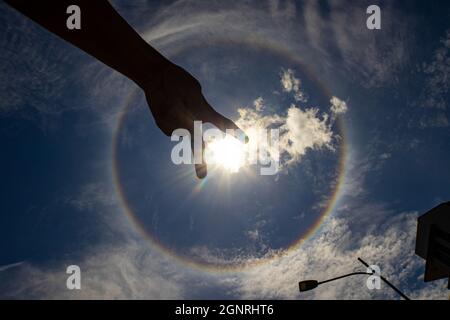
(200, 168)
(224, 124)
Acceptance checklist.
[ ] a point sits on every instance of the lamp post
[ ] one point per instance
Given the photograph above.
(312, 284)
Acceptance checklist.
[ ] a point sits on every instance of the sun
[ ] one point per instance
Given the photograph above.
(228, 153)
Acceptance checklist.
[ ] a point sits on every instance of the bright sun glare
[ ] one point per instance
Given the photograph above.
(229, 153)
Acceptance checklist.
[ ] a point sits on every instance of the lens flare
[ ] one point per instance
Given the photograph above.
(228, 153)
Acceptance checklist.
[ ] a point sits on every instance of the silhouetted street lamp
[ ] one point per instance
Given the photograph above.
(312, 284)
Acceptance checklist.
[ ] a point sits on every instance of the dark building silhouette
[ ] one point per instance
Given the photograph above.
(433, 242)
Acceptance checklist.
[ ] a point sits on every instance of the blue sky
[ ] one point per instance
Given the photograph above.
(60, 112)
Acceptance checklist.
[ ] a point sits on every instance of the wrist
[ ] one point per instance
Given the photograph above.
(151, 71)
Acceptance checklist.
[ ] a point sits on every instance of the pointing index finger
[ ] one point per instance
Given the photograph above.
(224, 124)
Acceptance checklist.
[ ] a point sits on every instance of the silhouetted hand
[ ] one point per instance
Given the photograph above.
(176, 101)
(175, 97)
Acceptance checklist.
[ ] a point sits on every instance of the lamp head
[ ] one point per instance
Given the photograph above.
(308, 285)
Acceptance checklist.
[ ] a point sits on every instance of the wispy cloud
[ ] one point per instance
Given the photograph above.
(334, 252)
(110, 272)
(31, 73)
(133, 270)
(361, 56)
(436, 91)
(434, 96)
(10, 266)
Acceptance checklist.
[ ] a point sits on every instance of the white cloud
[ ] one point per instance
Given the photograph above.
(361, 56)
(131, 271)
(438, 120)
(305, 130)
(253, 234)
(91, 196)
(32, 72)
(259, 104)
(126, 271)
(291, 84)
(385, 156)
(300, 129)
(436, 90)
(373, 61)
(120, 265)
(338, 106)
(334, 252)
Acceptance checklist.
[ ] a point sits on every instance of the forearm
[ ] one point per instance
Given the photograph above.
(104, 34)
